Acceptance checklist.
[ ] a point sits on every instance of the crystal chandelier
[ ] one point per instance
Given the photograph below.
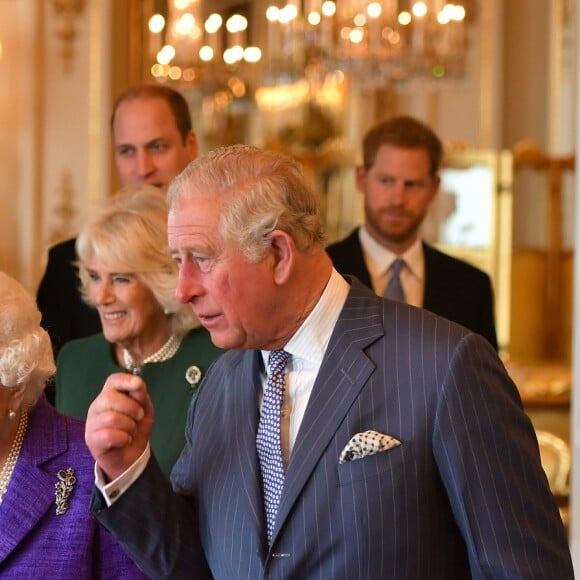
(375, 42)
(186, 47)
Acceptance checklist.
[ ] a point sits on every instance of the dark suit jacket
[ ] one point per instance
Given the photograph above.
(454, 289)
(35, 542)
(64, 314)
(464, 494)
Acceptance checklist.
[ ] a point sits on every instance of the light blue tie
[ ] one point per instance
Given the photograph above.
(394, 290)
(268, 438)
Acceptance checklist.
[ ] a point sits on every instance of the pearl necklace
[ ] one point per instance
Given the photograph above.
(164, 353)
(10, 464)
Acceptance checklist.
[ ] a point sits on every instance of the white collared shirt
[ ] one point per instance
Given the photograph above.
(307, 348)
(378, 260)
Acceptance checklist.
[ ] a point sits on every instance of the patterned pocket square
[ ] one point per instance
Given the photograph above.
(367, 443)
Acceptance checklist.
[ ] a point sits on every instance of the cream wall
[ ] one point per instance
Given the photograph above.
(20, 37)
(53, 127)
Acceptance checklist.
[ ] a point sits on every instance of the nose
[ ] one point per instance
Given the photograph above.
(188, 283)
(397, 193)
(103, 294)
(145, 165)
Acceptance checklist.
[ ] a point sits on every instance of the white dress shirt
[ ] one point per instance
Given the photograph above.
(306, 347)
(378, 260)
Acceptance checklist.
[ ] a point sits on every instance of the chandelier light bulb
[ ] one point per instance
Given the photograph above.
(374, 10)
(174, 73)
(236, 23)
(360, 20)
(314, 18)
(356, 35)
(206, 53)
(157, 70)
(404, 18)
(288, 14)
(156, 23)
(237, 53)
(328, 8)
(185, 25)
(458, 13)
(252, 54)
(213, 23)
(166, 54)
(420, 9)
(234, 54)
(273, 13)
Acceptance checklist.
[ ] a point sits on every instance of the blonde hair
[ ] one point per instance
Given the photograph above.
(129, 235)
(259, 191)
(25, 351)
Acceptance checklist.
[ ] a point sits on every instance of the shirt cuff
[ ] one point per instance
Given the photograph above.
(113, 490)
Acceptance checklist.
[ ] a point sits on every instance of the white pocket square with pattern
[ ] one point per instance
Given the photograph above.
(367, 443)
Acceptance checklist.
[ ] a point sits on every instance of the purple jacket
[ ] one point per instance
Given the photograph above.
(34, 541)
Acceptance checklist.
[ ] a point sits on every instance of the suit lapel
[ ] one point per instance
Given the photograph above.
(348, 258)
(434, 277)
(343, 373)
(45, 438)
(357, 261)
(23, 515)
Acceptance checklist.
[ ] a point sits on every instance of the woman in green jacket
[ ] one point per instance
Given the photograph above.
(128, 276)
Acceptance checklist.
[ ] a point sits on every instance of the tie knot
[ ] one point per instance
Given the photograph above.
(397, 266)
(394, 289)
(277, 361)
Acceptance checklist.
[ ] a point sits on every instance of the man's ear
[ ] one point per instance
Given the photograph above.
(191, 146)
(283, 250)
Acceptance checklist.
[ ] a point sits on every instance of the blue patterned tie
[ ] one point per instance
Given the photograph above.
(268, 438)
(394, 290)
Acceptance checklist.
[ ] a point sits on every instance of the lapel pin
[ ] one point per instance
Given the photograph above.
(193, 375)
(63, 488)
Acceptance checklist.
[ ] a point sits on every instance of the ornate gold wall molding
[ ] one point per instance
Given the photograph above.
(67, 11)
(552, 170)
(64, 210)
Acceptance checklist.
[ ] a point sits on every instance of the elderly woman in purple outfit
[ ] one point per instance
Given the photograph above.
(46, 471)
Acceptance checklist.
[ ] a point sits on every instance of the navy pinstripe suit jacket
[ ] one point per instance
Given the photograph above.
(464, 495)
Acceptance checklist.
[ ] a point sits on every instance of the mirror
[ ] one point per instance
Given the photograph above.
(471, 219)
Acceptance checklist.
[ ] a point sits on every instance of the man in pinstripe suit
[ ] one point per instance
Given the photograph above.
(405, 448)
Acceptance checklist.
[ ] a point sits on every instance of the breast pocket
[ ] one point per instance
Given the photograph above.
(389, 462)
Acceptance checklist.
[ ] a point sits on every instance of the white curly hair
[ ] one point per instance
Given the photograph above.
(25, 351)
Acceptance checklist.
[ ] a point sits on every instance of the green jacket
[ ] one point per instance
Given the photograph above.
(83, 366)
